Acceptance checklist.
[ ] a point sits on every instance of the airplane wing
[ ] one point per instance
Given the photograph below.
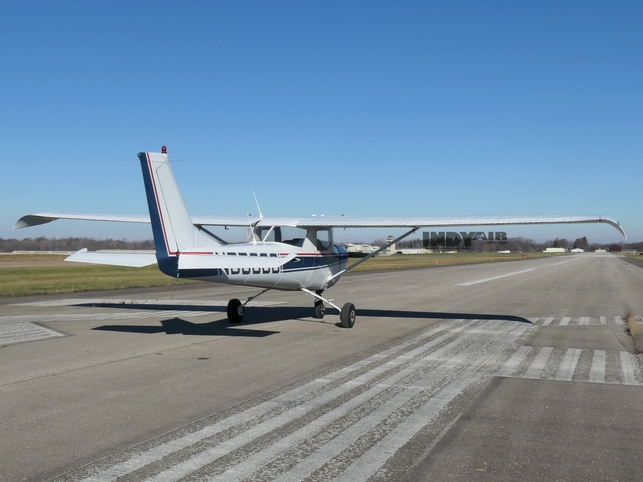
(44, 218)
(334, 221)
(437, 222)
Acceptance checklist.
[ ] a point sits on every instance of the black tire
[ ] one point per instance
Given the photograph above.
(320, 309)
(347, 316)
(235, 311)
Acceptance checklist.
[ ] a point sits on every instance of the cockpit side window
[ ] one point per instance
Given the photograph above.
(292, 235)
(324, 239)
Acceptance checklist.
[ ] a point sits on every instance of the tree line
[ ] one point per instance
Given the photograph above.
(514, 244)
(70, 244)
(528, 245)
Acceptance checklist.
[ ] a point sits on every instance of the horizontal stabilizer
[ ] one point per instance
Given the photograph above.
(133, 260)
(216, 261)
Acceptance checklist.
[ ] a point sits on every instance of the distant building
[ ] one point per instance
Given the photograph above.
(414, 251)
(360, 249)
(555, 250)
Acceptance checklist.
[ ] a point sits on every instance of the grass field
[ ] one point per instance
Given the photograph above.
(30, 274)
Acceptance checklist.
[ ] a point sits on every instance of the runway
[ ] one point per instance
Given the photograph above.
(485, 372)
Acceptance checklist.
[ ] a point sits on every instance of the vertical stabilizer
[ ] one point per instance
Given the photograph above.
(172, 225)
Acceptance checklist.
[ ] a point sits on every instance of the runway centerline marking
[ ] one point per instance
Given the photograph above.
(492, 278)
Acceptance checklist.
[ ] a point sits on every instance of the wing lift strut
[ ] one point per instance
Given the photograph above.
(375, 253)
(236, 308)
(347, 313)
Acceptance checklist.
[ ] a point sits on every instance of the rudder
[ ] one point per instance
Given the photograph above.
(172, 225)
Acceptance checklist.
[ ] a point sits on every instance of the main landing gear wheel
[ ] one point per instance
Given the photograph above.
(347, 316)
(235, 311)
(320, 309)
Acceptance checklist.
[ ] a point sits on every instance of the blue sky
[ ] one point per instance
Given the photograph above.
(372, 108)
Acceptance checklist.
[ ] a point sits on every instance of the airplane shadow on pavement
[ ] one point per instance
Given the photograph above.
(257, 315)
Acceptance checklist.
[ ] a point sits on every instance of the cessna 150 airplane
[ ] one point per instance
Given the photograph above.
(284, 253)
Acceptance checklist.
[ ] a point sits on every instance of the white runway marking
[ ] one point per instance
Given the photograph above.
(124, 309)
(11, 333)
(345, 425)
(484, 280)
(594, 368)
(577, 320)
(352, 424)
(568, 365)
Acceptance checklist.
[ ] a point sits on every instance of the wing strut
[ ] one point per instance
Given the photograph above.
(375, 253)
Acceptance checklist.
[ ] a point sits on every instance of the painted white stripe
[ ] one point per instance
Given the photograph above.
(568, 365)
(627, 365)
(208, 456)
(514, 362)
(565, 321)
(603, 320)
(364, 467)
(536, 368)
(138, 460)
(548, 321)
(12, 333)
(348, 437)
(584, 320)
(597, 371)
(484, 280)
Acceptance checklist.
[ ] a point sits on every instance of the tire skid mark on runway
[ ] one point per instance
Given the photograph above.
(369, 409)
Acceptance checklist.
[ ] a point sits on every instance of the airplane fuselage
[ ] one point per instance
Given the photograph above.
(313, 270)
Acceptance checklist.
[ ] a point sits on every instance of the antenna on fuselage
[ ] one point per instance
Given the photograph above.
(254, 236)
(258, 207)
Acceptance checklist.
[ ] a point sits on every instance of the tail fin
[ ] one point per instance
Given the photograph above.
(172, 225)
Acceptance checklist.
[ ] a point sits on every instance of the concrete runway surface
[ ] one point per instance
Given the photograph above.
(508, 371)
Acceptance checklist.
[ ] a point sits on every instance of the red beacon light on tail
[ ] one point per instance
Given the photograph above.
(163, 150)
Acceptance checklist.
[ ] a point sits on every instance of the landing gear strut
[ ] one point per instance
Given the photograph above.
(346, 314)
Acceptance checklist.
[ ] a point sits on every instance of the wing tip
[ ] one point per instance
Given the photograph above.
(615, 223)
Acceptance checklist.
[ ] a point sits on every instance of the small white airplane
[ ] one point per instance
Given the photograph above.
(285, 253)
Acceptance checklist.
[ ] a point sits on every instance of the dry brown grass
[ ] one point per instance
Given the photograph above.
(634, 329)
(632, 326)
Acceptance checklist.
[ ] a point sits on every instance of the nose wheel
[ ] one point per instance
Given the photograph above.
(346, 313)
(320, 309)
